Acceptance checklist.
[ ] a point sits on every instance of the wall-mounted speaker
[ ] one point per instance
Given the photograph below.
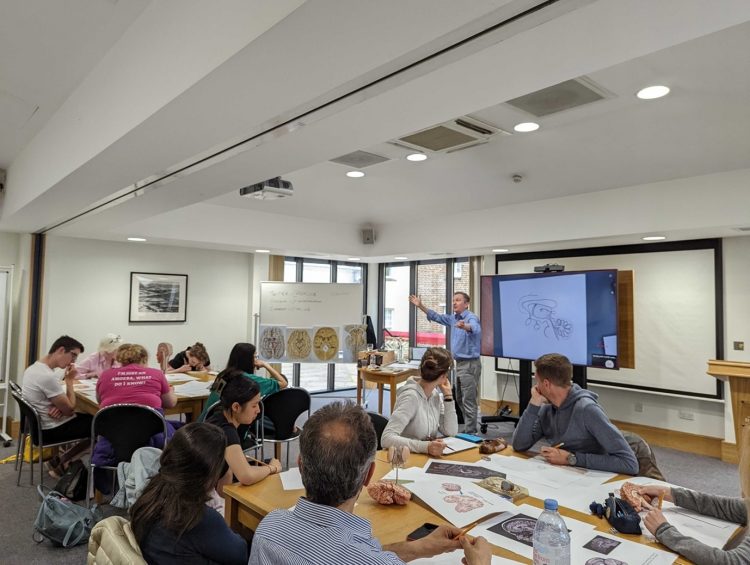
(368, 236)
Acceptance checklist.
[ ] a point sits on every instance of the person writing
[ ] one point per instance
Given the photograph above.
(337, 459)
(171, 521)
(194, 358)
(565, 414)
(240, 406)
(722, 507)
(96, 363)
(420, 414)
(466, 337)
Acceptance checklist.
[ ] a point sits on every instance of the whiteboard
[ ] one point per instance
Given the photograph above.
(674, 299)
(310, 304)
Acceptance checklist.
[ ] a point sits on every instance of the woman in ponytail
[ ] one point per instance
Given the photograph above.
(420, 412)
(170, 519)
(239, 406)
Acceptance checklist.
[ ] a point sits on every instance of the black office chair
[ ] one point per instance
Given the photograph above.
(379, 422)
(31, 426)
(127, 427)
(283, 408)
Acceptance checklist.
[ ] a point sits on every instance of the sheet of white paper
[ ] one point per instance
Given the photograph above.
(291, 479)
(514, 529)
(457, 444)
(598, 548)
(537, 470)
(459, 501)
(180, 377)
(192, 388)
(454, 558)
(408, 474)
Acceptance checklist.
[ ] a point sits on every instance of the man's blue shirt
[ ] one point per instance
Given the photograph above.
(464, 345)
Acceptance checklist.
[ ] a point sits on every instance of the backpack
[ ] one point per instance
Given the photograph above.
(74, 482)
(62, 521)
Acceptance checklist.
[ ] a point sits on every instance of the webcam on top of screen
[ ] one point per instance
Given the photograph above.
(549, 268)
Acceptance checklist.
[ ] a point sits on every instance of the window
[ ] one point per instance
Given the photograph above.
(396, 297)
(431, 283)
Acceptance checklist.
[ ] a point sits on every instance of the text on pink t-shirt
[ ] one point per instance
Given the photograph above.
(132, 384)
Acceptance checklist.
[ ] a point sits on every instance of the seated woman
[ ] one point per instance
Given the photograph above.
(244, 358)
(419, 413)
(170, 519)
(131, 383)
(722, 507)
(194, 358)
(96, 363)
(240, 405)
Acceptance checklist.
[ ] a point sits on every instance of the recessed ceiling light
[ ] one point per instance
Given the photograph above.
(262, 250)
(400, 258)
(500, 250)
(353, 259)
(654, 238)
(136, 239)
(526, 127)
(355, 174)
(651, 92)
(416, 157)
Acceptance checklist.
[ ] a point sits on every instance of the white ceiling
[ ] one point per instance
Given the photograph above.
(605, 173)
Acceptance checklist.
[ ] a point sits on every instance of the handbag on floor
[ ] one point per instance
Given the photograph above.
(62, 521)
(73, 483)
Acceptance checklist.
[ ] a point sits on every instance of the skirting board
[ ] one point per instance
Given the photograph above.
(681, 441)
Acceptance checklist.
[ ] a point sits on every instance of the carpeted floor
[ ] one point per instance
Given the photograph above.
(20, 504)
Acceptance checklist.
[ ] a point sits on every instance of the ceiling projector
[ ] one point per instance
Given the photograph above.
(271, 189)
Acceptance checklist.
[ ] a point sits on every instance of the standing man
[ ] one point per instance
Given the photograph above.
(54, 398)
(466, 336)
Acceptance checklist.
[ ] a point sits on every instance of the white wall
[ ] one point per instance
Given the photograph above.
(13, 250)
(87, 286)
(710, 418)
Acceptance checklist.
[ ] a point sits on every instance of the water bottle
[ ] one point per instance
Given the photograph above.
(551, 537)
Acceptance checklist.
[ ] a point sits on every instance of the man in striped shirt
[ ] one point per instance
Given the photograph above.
(337, 458)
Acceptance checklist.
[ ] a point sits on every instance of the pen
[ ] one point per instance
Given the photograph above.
(559, 445)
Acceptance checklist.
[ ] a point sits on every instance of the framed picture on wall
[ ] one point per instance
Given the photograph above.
(158, 297)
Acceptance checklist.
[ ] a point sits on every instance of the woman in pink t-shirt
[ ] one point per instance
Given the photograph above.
(133, 382)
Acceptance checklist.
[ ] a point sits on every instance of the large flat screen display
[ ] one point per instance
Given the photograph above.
(526, 316)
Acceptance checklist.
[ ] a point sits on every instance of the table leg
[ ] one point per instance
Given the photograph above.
(380, 398)
(230, 513)
(359, 388)
(393, 394)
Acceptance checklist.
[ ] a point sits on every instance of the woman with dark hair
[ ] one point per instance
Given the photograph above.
(243, 357)
(239, 406)
(194, 358)
(170, 519)
(420, 413)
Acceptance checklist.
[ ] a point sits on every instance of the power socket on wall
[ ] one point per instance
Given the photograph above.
(685, 415)
(639, 406)
(739, 346)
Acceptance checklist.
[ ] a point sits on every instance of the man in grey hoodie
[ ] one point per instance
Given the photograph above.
(565, 414)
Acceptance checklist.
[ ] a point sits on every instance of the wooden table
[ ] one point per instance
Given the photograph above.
(191, 406)
(382, 376)
(247, 505)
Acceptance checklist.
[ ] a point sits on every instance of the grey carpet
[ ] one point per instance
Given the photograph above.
(20, 504)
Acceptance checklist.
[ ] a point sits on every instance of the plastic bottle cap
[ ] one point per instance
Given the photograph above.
(550, 504)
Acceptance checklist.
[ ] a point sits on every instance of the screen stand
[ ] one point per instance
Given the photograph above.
(525, 382)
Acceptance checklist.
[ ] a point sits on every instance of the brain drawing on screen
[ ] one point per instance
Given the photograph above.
(541, 316)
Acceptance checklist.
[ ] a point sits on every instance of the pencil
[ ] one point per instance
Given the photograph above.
(559, 445)
(661, 499)
(474, 523)
(257, 460)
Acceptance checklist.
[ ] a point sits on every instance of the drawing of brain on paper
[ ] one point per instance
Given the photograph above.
(463, 503)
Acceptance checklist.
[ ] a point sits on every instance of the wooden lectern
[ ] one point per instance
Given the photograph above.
(738, 375)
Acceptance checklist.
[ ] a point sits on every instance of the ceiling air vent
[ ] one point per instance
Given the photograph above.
(450, 136)
(564, 96)
(360, 159)
(743, 229)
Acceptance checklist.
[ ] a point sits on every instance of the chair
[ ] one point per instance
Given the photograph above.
(646, 459)
(31, 426)
(257, 433)
(379, 422)
(127, 427)
(163, 354)
(283, 408)
(15, 388)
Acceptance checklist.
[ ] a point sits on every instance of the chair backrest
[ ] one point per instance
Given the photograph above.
(646, 459)
(284, 407)
(29, 417)
(379, 422)
(128, 427)
(208, 411)
(14, 387)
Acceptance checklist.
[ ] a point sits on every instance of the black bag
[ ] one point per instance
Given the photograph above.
(62, 521)
(73, 483)
(621, 516)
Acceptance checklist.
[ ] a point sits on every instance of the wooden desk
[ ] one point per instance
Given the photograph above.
(191, 406)
(738, 375)
(248, 505)
(382, 377)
